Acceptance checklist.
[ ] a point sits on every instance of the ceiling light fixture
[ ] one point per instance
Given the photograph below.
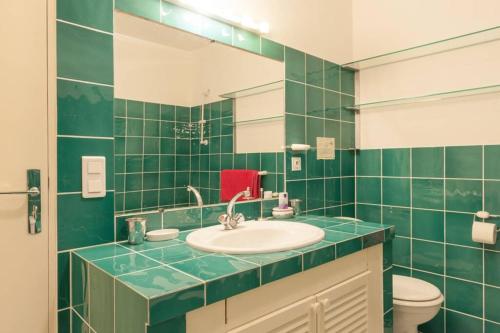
(226, 15)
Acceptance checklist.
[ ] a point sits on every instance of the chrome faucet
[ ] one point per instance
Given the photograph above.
(196, 194)
(230, 220)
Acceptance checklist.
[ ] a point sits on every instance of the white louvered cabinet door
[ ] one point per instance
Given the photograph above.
(299, 317)
(344, 308)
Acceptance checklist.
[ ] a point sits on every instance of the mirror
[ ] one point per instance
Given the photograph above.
(187, 108)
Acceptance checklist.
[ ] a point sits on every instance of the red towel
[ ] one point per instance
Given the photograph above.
(235, 181)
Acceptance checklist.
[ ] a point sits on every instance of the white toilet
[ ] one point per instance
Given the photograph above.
(415, 302)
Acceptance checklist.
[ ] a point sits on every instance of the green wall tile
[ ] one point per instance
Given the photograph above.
(396, 191)
(295, 65)
(463, 296)
(315, 102)
(368, 162)
(63, 280)
(492, 268)
(491, 327)
(464, 263)
(315, 168)
(295, 94)
(428, 225)
(183, 219)
(492, 303)
(463, 195)
(347, 81)
(428, 256)
(396, 162)
(428, 193)
(315, 194)
(314, 70)
(428, 162)
(295, 129)
(368, 190)
(96, 14)
(84, 109)
(348, 135)
(332, 76)
(371, 213)
(84, 54)
(492, 197)
(401, 250)
(78, 325)
(64, 321)
(149, 9)
(458, 229)
(464, 162)
(491, 162)
(345, 113)
(456, 322)
(332, 105)
(84, 222)
(272, 49)
(399, 217)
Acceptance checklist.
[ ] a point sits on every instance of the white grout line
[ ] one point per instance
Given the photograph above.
(85, 27)
(61, 78)
(86, 137)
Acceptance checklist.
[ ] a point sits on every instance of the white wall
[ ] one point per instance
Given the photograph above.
(320, 27)
(387, 25)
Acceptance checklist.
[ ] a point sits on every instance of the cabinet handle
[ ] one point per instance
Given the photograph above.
(313, 311)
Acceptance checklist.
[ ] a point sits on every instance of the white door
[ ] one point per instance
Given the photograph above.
(23, 145)
(299, 317)
(346, 308)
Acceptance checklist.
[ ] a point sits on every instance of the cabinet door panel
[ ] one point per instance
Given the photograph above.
(344, 308)
(296, 318)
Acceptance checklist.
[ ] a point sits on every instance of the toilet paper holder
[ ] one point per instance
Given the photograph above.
(482, 231)
(482, 214)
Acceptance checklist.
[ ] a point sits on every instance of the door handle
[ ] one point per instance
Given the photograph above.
(33, 191)
(34, 201)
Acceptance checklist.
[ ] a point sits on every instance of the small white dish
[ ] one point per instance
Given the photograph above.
(277, 209)
(162, 235)
(283, 215)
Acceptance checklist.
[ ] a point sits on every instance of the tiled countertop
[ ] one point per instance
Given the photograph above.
(170, 278)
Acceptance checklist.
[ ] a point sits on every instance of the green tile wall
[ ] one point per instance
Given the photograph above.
(430, 194)
(317, 93)
(158, 153)
(84, 127)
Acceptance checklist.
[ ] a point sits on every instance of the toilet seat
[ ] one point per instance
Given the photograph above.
(409, 290)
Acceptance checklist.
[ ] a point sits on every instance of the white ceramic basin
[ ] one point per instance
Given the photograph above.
(255, 237)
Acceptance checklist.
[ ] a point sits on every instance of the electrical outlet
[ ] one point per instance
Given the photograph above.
(296, 164)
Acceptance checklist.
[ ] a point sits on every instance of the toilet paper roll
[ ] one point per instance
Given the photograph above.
(483, 232)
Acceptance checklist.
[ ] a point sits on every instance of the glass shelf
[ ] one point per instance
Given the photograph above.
(428, 98)
(254, 121)
(254, 90)
(453, 43)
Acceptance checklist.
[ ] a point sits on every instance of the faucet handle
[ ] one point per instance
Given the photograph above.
(247, 193)
(237, 219)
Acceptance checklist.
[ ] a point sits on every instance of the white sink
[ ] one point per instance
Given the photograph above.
(255, 237)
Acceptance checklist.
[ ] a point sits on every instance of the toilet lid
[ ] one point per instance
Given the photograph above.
(410, 289)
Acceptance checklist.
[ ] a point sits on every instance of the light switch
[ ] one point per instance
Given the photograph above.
(93, 176)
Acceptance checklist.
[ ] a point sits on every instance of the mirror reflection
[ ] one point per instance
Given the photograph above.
(196, 122)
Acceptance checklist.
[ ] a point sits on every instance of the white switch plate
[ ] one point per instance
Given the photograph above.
(93, 176)
(296, 164)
